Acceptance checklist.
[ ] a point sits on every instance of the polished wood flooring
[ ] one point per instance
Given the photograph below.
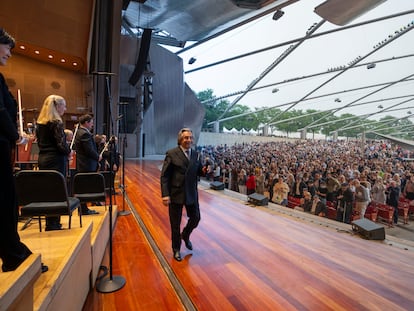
(246, 258)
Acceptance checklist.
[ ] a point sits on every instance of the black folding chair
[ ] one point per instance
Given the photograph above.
(89, 187)
(44, 193)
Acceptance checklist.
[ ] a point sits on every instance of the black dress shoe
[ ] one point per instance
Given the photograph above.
(177, 255)
(90, 212)
(53, 226)
(44, 268)
(188, 243)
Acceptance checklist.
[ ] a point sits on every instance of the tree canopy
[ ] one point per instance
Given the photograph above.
(314, 121)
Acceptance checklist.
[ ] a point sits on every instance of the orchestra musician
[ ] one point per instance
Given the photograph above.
(12, 251)
(53, 148)
(87, 156)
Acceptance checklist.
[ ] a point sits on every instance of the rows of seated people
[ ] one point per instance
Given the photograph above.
(376, 176)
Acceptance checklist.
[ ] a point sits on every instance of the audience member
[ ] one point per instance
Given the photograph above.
(280, 192)
(393, 196)
(345, 200)
(251, 183)
(378, 191)
(362, 198)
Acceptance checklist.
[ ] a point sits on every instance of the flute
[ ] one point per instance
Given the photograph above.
(74, 135)
(19, 100)
(104, 148)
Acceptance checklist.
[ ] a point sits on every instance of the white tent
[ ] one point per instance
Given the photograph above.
(252, 132)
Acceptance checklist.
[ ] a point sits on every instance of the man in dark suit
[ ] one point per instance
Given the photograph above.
(87, 156)
(179, 177)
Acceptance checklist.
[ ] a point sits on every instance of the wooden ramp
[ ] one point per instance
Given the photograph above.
(248, 258)
(73, 257)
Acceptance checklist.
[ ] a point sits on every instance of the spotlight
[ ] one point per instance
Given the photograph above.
(380, 106)
(275, 90)
(338, 100)
(370, 66)
(192, 60)
(278, 14)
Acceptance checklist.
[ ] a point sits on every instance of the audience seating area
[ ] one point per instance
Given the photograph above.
(376, 212)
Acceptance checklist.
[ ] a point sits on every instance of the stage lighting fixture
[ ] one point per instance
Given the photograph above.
(370, 66)
(278, 14)
(192, 61)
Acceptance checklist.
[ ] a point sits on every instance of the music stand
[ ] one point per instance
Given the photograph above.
(112, 283)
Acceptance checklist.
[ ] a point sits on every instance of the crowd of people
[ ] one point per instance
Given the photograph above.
(347, 175)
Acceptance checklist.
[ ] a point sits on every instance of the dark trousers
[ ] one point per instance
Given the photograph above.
(175, 212)
(347, 208)
(395, 215)
(12, 251)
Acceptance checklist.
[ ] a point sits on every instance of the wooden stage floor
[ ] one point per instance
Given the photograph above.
(247, 258)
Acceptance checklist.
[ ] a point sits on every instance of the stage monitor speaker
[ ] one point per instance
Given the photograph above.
(258, 199)
(368, 229)
(142, 57)
(217, 185)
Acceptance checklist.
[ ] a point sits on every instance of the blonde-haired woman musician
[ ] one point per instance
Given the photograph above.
(53, 148)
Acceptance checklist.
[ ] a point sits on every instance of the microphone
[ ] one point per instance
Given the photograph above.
(103, 73)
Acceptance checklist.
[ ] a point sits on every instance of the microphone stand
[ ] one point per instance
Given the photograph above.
(112, 283)
(122, 185)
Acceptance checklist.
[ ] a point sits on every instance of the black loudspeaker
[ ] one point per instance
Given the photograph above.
(217, 185)
(142, 57)
(368, 229)
(258, 199)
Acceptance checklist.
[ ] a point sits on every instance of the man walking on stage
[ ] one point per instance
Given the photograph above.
(179, 177)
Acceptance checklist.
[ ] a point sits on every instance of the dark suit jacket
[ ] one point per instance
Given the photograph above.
(86, 151)
(179, 176)
(8, 112)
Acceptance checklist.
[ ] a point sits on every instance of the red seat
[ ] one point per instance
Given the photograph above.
(371, 212)
(293, 202)
(403, 209)
(385, 212)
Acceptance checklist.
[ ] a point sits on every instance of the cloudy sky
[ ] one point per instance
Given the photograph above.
(313, 56)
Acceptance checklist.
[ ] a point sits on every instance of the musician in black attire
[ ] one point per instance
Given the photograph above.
(53, 147)
(12, 251)
(87, 156)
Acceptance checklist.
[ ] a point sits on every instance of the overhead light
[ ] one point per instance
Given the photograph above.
(192, 60)
(278, 14)
(380, 107)
(341, 12)
(409, 112)
(370, 66)
(338, 100)
(275, 90)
